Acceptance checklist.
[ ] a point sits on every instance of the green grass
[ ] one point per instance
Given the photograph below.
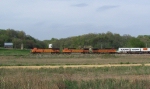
(8, 52)
(55, 59)
(105, 84)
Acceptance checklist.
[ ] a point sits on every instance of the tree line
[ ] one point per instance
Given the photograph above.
(18, 38)
(94, 40)
(101, 40)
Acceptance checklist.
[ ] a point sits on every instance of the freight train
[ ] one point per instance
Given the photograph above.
(92, 50)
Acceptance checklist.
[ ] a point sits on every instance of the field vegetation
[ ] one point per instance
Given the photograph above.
(80, 59)
(76, 78)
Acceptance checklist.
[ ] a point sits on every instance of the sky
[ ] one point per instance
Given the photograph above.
(46, 19)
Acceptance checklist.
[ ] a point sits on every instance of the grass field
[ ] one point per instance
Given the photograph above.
(9, 52)
(38, 60)
(131, 77)
(76, 78)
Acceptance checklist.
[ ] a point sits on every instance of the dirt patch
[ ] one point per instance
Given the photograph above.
(74, 66)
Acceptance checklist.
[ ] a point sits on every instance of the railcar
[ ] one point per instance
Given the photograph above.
(145, 50)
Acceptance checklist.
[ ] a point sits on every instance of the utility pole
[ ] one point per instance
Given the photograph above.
(101, 45)
(22, 46)
(146, 45)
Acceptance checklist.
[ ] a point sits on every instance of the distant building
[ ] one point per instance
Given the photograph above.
(50, 46)
(8, 45)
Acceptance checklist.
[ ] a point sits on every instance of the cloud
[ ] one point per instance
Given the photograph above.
(80, 5)
(107, 7)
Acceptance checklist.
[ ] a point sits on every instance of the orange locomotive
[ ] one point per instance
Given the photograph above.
(49, 50)
(72, 50)
(101, 51)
